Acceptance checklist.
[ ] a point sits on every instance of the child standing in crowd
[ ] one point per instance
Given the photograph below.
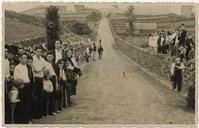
(176, 72)
(16, 109)
(61, 83)
(69, 82)
(48, 89)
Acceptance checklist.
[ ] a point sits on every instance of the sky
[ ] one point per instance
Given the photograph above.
(139, 8)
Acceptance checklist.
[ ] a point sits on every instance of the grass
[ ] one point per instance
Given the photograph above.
(16, 30)
(20, 27)
(136, 40)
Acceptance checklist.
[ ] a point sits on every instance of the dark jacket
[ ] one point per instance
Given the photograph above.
(31, 77)
(182, 37)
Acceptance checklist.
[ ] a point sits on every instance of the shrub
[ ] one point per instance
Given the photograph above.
(81, 29)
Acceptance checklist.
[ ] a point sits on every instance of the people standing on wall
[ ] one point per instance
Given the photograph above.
(153, 38)
(191, 53)
(189, 44)
(173, 43)
(183, 35)
(161, 43)
(176, 42)
(177, 73)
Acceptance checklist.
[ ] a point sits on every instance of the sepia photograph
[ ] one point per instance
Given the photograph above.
(99, 63)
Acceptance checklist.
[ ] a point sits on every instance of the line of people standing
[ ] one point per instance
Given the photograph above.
(176, 42)
(39, 86)
(91, 51)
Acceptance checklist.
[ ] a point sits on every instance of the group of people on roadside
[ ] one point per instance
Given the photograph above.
(176, 43)
(91, 51)
(39, 82)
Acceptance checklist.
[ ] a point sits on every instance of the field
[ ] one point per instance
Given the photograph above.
(17, 31)
(20, 27)
(165, 22)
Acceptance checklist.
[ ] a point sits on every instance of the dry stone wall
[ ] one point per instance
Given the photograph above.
(156, 63)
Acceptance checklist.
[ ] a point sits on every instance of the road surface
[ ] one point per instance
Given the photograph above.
(114, 91)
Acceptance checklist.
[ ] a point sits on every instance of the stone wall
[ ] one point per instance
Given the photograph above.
(155, 63)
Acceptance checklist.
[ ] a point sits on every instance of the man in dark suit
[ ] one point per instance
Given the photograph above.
(183, 35)
(32, 84)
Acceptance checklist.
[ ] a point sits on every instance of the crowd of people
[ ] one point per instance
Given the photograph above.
(177, 43)
(40, 82)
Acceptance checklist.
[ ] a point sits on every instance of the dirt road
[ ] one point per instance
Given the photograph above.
(114, 91)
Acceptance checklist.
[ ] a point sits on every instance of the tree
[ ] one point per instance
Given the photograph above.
(94, 16)
(80, 28)
(52, 26)
(131, 19)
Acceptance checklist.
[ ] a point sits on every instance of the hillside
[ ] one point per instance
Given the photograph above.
(41, 10)
(19, 27)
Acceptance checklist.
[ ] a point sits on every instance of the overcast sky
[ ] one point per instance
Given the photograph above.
(139, 8)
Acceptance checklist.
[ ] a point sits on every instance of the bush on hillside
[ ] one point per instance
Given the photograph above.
(94, 16)
(81, 29)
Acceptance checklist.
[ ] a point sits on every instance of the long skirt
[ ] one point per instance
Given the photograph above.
(53, 101)
(39, 97)
(73, 87)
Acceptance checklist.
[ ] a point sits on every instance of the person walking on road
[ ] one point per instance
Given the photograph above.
(87, 54)
(94, 51)
(100, 50)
